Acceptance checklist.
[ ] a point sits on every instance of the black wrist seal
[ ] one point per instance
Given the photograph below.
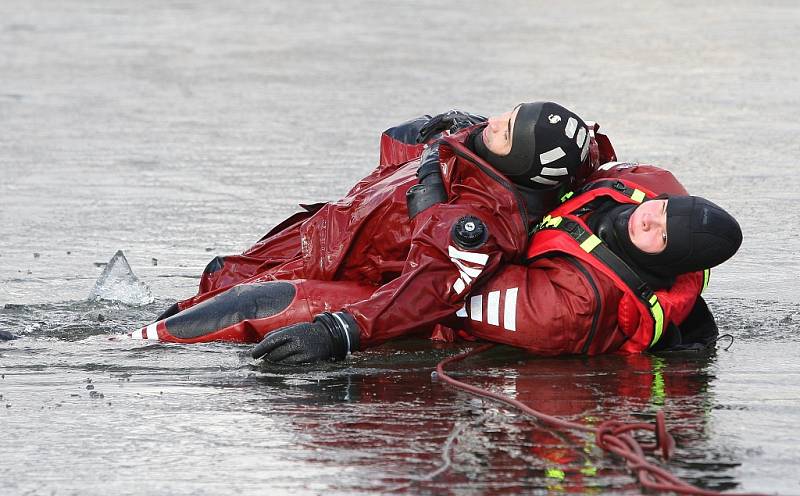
(343, 330)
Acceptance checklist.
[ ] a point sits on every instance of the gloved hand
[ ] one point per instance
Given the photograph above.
(452, 120)
(329, 337)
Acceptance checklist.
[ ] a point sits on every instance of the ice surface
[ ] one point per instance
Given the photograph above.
(119, 283)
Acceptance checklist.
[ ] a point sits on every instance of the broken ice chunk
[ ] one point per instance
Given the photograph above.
(119, 283)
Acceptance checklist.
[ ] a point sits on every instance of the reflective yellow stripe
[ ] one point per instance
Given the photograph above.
(658, 318)
(567, 196)
(550, 222)
(637, 196)
(706, 278)
(658, 392)
(590, 243)
(554, 222)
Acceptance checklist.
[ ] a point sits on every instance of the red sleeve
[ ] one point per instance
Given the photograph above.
(676, 303)
(551, 307)
(394, 152)
(680, 299)
(437, 274)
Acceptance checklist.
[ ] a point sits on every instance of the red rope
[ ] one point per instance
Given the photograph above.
(611, 435)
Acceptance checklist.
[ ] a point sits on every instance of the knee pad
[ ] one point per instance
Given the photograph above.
(229, 316)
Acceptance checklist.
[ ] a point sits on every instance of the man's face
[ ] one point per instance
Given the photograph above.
(647, 226)
(497, 134)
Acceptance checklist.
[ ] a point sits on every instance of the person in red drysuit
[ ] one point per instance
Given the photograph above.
(566, 300)
(407, 243)
(619, 266)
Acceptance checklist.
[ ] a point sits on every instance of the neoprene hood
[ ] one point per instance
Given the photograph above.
(700, 235)
(548, 144)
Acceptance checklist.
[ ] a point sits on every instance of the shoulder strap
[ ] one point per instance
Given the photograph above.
(634, 194)
(594, 246)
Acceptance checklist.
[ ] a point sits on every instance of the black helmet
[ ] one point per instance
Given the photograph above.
(548, 145)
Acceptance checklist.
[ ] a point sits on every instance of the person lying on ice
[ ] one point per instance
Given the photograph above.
(413, 237)
(250, 310)
(618, 267)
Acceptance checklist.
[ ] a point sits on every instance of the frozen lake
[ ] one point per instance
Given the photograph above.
(178, 131)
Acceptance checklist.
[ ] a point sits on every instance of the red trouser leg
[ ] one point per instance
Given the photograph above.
(247, 312)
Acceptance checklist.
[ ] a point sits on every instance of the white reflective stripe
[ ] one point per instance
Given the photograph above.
(467, 279)
(580, 139)
(551, 155)
(476, 308)
(345, 327)
(459, 286)
(137, 334)
(462, 312)
(585, 150)
(572, 125)
(493, 308)
(510, 309)
(609, 165)
(152, 333)
(552, 171)
(543, 180)
(473, 273)
(467, 256)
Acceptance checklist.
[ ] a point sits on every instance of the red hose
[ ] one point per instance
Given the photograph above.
(611, 435)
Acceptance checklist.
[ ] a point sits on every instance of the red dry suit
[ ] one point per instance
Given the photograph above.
(403, 275)
(566, 300)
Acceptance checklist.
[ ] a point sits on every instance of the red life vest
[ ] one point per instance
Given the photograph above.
(564, 231)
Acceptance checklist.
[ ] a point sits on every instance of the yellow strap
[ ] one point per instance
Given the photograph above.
(658, 392)
(638, 196)
(550, 222)
(658, 318)
(567, 196)
(706, 278)
(590, 243)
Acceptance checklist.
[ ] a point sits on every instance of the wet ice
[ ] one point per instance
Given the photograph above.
(119, 283)
(184, 128)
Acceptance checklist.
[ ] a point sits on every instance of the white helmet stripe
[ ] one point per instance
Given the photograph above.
(542, 180)
(551, 171)
(572, 125)
(580, 139)
(551, 155)
(585, 150)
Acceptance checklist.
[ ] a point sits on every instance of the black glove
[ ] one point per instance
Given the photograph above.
(329, 337)
(452, 120)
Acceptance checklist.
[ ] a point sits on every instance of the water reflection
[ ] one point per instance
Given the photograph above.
(383, 412)
(378, 421)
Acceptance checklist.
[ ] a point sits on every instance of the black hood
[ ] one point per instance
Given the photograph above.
(610, 223)
(700, 235)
